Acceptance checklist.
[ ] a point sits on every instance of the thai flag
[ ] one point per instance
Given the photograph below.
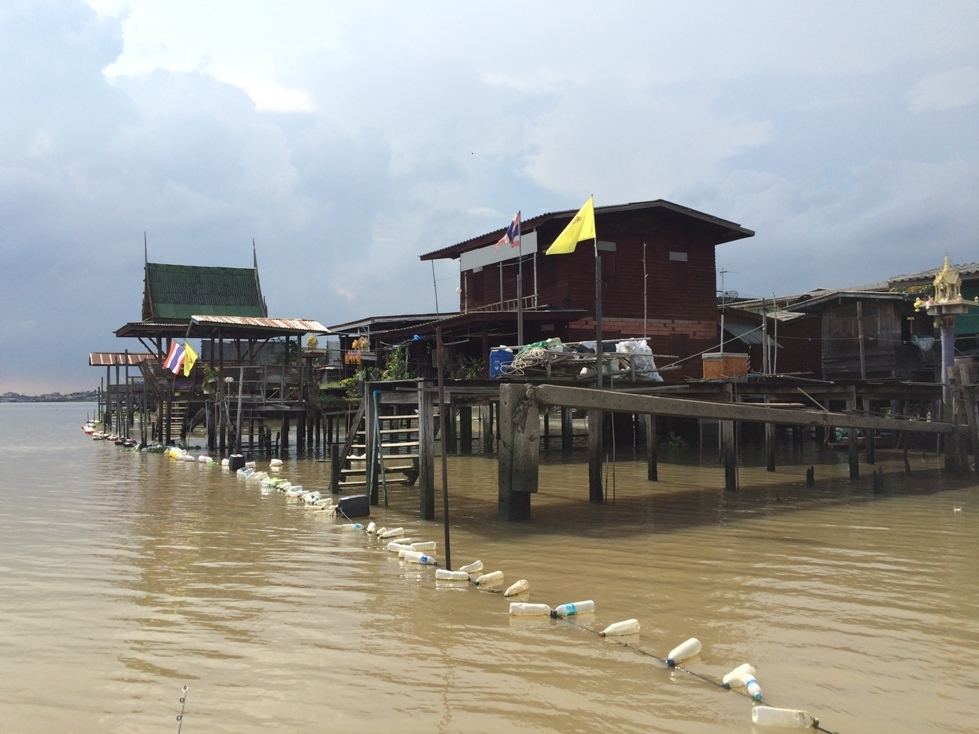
(512, 235)
(175, 358)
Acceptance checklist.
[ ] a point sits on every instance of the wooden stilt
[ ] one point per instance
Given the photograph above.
(729, 455)
(596, 443)
(567, 430)
(652, 466)
(519, 451)
(465, 429)
(852, 445)
(770, 447)
(426, 451)
(485, 413)
(450, 442)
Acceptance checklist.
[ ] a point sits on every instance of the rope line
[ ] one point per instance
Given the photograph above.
(682, 669)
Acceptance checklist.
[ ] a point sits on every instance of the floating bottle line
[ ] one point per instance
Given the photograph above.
(684, 651)
(421, 558)
(743, 676)
(573, 608)
(783, 718)
(525, 609)
(443, 574)
(494, 578)
(518, 587)
(618, 629)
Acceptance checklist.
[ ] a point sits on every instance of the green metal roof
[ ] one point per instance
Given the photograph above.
(181, 291)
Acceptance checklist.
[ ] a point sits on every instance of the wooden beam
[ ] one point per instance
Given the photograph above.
(591, 399)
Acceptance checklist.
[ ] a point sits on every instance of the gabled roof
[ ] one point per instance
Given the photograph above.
(181, 291)
(721, 229)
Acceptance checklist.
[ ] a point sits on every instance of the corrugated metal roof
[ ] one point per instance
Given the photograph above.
(380, 323)
(929, 275)
(152, 329)
(733, 231)
(303, 326)
(111, 359)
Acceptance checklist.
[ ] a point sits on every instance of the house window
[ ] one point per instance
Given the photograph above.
(678, 257)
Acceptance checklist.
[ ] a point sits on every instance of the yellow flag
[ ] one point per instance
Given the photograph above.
(190, 357)
(581, 227)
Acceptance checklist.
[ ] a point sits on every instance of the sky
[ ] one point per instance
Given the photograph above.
(348, 138)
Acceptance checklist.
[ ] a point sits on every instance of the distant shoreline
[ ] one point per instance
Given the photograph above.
(89, 396)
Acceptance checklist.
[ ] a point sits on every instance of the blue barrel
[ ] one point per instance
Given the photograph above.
(498, 358)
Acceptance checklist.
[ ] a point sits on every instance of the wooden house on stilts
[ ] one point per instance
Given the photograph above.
(251, 380)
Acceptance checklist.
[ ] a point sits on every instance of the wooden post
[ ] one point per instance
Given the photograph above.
(426, 452)
(485, 416)
(729, 453)
(652, 467)
(450, 444)
(968, 403)
(519, 450)
(547, 429)
(335, 468)
(595, 450)
(770, 447)
(284, 435)
(301, 433)
(465, 429)
(729, 447)
(373, 461)
(863, 359)
(852, 445)
(567, 430)
(117, 421)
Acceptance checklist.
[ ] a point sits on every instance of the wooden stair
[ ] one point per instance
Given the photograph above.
(395, 460)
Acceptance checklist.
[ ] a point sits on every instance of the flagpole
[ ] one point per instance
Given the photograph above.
(519, 286)
(598, 310)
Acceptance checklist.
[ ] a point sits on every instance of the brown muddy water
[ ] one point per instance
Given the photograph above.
(125, 576)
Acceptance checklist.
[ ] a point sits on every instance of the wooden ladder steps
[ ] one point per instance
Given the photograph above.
(397, 468)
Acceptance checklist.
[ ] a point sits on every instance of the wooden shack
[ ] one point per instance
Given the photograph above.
(860, 334)
(658, 279)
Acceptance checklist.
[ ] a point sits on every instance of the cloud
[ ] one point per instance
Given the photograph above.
(947, 90)
(351, 141)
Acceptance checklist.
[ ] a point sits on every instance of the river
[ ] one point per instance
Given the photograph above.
(124, 576)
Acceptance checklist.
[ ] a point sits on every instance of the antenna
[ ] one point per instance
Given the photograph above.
(723, 303)
(146, 251)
